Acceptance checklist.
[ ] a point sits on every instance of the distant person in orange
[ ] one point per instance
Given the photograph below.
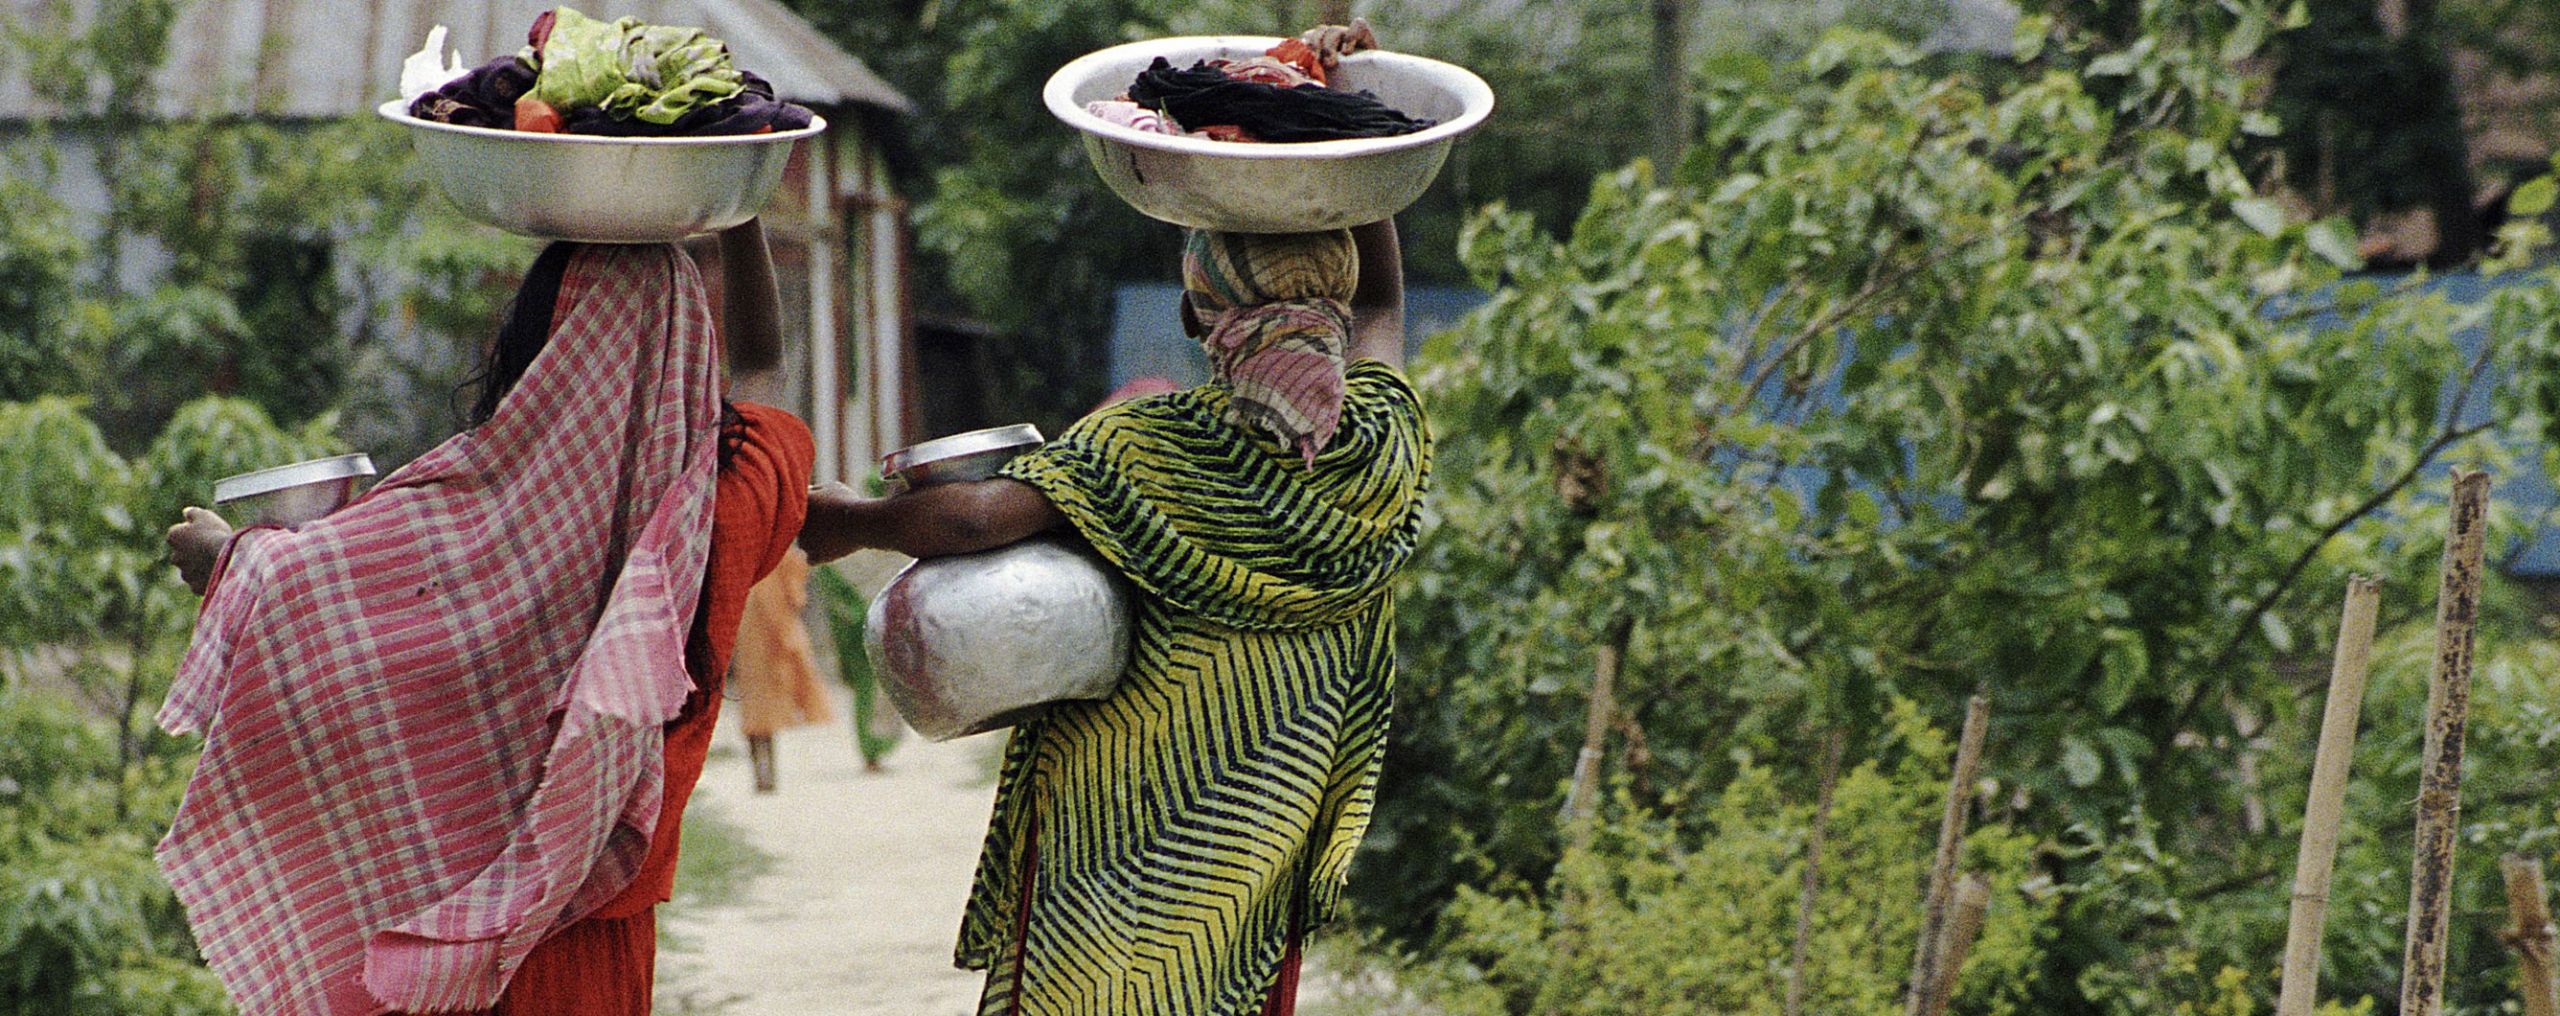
(773, 679)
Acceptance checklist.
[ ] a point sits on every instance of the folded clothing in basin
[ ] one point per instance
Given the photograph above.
(621, 78)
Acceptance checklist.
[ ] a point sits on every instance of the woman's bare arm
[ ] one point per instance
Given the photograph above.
(947, 518)
(750, 301)
(1377, 307)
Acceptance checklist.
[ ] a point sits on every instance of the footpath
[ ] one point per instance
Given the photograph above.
(857, 913)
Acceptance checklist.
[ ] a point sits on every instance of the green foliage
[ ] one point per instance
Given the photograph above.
(292, 265)
(39, 255)
(93, 620)
(1907, 386)
(87, 927)
(1643, 922)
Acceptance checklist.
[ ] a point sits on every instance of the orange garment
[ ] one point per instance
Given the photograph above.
(606, 964)
(773, 679)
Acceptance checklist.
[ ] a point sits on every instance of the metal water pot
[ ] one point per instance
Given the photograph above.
(973, 642)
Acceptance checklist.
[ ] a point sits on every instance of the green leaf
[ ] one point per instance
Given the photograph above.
(2277, 632)
(1734, 188)
(2261, 214)
(2027, 40)
(2535, 197)
(2080, 762)
(2334, 241)
(2123, 668)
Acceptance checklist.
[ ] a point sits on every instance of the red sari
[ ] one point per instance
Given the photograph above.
(606, 964)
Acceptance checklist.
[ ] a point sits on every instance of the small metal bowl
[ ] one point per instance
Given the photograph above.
(290, 495)
(600, 189)
(1269, 188)
(960, 458)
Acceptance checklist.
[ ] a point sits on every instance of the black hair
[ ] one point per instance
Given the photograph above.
(522, 332)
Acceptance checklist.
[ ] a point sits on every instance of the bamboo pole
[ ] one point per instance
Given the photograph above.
(1807, 893)
(2440, 770)
(2316, 859)
(1582, 800)
(1942, 870)
(1964, 927)
(2532, 937)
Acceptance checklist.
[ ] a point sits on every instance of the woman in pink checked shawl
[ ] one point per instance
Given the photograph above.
(448, 728)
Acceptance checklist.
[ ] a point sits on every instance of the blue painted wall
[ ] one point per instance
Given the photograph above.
(1147, 339)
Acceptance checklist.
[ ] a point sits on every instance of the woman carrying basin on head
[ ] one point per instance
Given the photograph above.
(1162, 850)
(451, 728)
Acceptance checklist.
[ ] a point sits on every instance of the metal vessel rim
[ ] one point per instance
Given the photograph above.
(1019, 435)
(397, 112)
(1474, 97)
(292, 474)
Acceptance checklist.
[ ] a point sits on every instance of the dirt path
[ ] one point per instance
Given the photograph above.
(857, 914)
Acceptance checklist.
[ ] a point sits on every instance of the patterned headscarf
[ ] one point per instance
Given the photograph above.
(1277, 311)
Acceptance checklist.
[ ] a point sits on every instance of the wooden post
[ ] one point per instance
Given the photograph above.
(1582, 800)
(1973, 903)
(2440, 770)
(2532, 937)
(1808, 892)
(2315, 859)
(1942, 870)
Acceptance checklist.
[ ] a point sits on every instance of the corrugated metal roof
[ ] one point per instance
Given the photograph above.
(314, 59)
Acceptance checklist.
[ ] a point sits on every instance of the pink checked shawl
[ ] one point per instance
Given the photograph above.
(433, 719)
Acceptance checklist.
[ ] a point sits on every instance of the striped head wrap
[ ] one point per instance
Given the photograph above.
(1277, 313)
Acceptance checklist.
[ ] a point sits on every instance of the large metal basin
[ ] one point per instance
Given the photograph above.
(1269, 188)
(600, 189)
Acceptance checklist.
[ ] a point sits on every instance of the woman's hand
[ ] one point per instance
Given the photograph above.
(195, 544)
(1333, 42)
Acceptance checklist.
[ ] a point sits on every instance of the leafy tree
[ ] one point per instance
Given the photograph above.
(292, 265)
(93, 621)
(1909, 386)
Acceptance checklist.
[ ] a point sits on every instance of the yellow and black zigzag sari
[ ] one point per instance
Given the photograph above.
(1185, 823)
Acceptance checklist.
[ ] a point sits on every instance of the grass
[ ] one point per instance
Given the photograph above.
(713, 863)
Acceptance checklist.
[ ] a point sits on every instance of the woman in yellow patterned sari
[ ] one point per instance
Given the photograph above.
(1160, 851)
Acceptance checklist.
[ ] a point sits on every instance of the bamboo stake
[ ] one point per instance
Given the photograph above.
(2316, 859)
(1582, 801)
(1973, 903)
(2440, 770)
(2534, 940)
(1806, 893)
(1942, 870)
